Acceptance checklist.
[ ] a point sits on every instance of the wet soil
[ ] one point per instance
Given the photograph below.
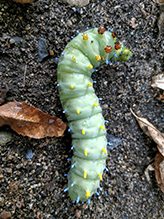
(32, 36)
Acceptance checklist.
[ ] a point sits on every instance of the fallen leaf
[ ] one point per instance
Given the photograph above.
(158, 81)
(152, 132)
(159, 170)
(30, 121)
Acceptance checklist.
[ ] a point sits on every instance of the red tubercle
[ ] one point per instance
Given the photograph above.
(108, 49)
(101, 30)
(114, 34)
(117, 46)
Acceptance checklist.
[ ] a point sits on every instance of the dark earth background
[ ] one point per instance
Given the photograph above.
(33, 188)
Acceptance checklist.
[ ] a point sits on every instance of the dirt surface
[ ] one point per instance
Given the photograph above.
(33, 188)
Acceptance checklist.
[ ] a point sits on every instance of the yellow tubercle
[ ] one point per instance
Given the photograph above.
(71, 86)
(100, 176)
(98, 58)
(86, 153)
(90, 84)
(73, 57)
(90, 66)
(78, 111)
(83, 132)
(103, 149)
(85, 36)
(95, 104)
(101, 127)
(85, 175)
(88, 194)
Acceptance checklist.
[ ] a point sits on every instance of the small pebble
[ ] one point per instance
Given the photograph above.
(29, 154)
(78, 213)
(12, 41)
(1, 201)
(5, 137)
(9, 170)
(1, 176)
(51, 52)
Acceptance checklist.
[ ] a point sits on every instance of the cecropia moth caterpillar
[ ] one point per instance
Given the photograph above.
(78, 61)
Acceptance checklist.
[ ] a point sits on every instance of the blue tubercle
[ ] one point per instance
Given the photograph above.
(78, 199)
(106, 169)
(73, 184)
(73, 165)
(57, 85)
(97, 193)
(100, 188)
(72, 147)
(65, 190)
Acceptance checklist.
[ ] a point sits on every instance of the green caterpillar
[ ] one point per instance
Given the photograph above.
(79, 59)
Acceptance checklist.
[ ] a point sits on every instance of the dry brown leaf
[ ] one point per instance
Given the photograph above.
(159, 170)
(152, 132)
(30, 121)
(158, 81)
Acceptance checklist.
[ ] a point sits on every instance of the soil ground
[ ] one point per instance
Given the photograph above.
(34, 188)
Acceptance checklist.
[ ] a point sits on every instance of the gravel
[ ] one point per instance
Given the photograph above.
(33, 188)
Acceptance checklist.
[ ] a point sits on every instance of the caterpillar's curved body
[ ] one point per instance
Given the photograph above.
(79, 59)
